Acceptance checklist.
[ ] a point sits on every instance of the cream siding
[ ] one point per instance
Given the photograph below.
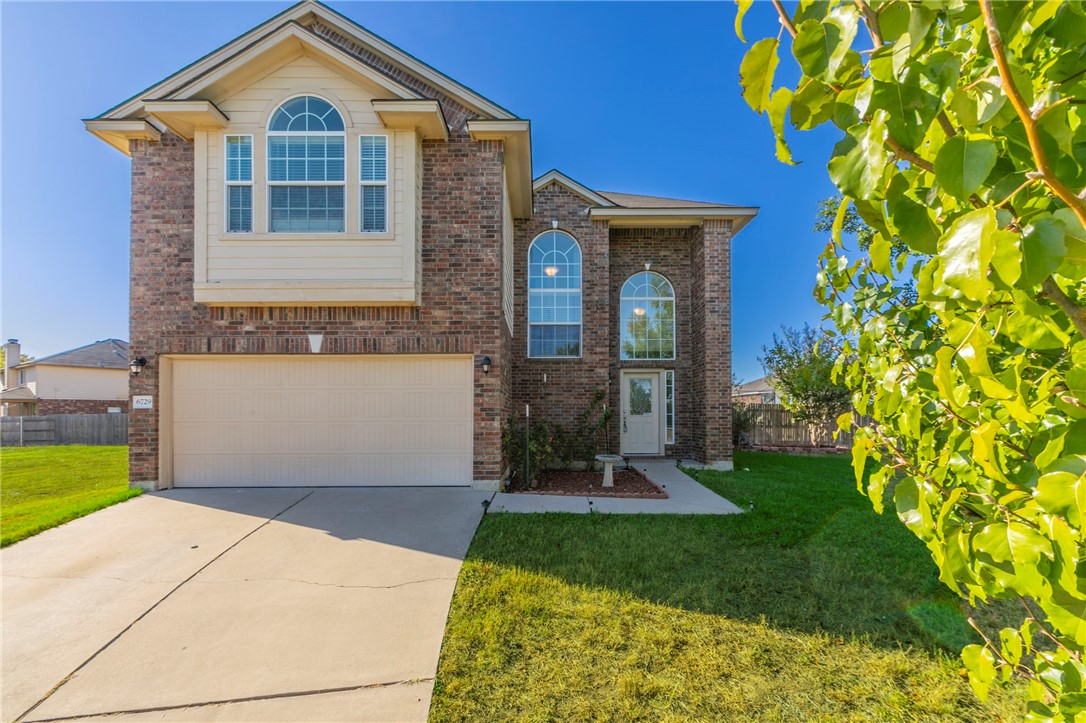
(61, 382)
(262, 267)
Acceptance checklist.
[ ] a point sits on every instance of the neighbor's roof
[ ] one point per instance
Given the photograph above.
(758, 386)
(105, 354)
(17, 394)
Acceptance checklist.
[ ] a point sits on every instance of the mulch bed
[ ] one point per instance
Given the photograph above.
(628, 483)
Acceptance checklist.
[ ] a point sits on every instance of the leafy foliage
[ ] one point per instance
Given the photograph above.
(802, 371)
(531, 446)
(963, 138)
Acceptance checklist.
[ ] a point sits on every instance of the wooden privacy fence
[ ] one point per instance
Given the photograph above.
(95, 429)
(773, 425)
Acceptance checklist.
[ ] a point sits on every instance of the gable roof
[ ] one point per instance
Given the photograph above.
(630, 200)
(556, 176)
(302, 16)
(105, 354)
(628, 209)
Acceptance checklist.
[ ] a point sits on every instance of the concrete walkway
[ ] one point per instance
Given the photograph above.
(236, 605)
(685, 497)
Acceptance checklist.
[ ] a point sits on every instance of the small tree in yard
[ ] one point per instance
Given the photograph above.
(963, 149)
(802, 371)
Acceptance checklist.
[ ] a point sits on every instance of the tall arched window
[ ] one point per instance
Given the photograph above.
(306, 180)
(554, 296)
(647, 317)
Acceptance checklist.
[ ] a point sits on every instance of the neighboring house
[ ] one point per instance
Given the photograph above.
(91, 379)
(759, 391)
(344, 273)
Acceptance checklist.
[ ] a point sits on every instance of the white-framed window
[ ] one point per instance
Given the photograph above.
(647, 317)
(239, 183)
(306, 167)
(554, 296)
(22, 377)
(669, 406)
(373, 176)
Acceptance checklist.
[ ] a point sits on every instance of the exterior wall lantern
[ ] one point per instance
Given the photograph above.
(136, 365)
(485, 364)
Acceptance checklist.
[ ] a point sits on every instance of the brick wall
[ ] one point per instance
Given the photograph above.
(79, 406)
(461, 288)
(570, 383)
(696, 261)
(668, 250)
(710, 261)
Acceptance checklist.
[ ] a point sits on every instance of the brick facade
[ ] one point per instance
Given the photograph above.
(79, 406)
(461, 295)
(460, 277)
(570, 383)
(696, 260)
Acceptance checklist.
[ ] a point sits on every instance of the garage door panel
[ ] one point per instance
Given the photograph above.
(322, 421)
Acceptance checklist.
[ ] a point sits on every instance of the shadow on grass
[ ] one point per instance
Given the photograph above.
(812, 556)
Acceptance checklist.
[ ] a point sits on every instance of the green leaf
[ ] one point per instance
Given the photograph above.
(812, 105)
(1010, 645)
(811, 48)
(1063, 490)
(861, 447)
(1074, 261)
(966, 250)
(778, 107)
(880, 255)
(983, 438)
(963, 163)
(741, 10)
(756, 73)
(1067, 613)
(860, 159)
(1042, 250)
(911, 109)
(914, 225)
(1007, 256)
(980, 663)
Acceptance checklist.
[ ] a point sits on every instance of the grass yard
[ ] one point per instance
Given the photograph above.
(811, 607)
(42, 487)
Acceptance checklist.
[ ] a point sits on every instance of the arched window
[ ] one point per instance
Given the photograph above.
(647, 317)
(306, 167)
(554, 296)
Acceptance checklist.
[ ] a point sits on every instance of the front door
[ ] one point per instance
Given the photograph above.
(641, 413)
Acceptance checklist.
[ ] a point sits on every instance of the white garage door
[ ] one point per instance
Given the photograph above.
(290, 421)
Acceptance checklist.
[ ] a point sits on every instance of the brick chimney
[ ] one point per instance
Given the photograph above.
(11, 359)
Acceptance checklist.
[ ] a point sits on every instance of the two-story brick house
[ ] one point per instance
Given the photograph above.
(343, 273)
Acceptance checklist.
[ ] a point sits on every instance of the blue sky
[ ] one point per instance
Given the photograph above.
(598, 81)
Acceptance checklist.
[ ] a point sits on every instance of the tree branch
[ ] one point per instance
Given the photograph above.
(785, 20)
(1052, 291)
(871, 20)
(995, 40)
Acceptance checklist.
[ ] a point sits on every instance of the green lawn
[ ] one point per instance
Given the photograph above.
(42, 487)
(811, 607)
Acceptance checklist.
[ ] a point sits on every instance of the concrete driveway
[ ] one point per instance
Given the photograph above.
(236, 605)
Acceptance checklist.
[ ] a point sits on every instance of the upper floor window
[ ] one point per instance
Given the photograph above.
(647, 317)
(554, 296)
(239, 184)
(373, 174)
(306, 177)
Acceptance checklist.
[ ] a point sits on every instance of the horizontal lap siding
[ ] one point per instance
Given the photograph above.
(296, 257)
(59, 382)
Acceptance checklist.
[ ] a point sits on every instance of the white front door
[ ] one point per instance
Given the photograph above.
(641, 413)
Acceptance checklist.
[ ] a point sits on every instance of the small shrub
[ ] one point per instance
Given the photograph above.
(742, 424)
(548, 445)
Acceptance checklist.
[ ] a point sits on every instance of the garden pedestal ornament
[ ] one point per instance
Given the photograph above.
(608, 463)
